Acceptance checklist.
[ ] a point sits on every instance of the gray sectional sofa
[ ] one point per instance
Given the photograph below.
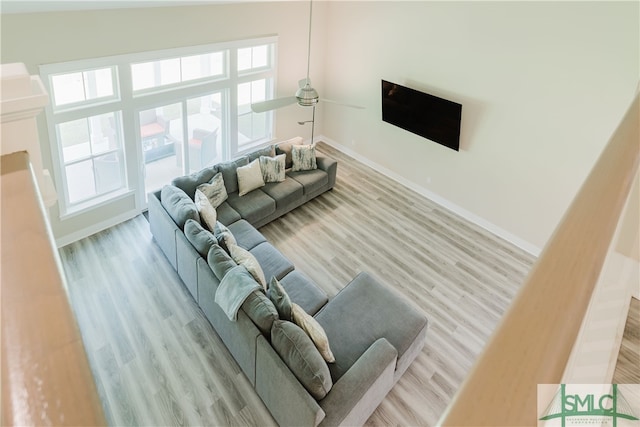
(374, 334)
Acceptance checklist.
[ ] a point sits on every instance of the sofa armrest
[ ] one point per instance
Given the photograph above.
(360, 390)
(163, 228)
(330, 166)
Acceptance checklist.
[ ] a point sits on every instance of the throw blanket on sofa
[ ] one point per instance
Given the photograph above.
(236, 285)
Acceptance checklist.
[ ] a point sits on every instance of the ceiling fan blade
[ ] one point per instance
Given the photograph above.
(272, 104)
(359, 107)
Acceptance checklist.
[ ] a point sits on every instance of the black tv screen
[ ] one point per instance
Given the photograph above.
(426, 115)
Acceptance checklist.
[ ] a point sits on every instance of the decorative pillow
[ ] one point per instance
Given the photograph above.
(261, 311)
(179, 205)
(229, 172)
(249, 178)
(224, 236)
(280, 299)
(304, 157)
(246, 258)
(285, 148)
(219, 261)
(302, 357)
(314, 330)
(200, 238)
(214, 190)
(207, 212)
(189, 183)
(269, 151)
(272, 168)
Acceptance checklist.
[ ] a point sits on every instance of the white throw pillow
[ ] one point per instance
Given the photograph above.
(304, 157)
(314, 330)
(246, 258)
(272, 168)
(206, 210)
(249, 177)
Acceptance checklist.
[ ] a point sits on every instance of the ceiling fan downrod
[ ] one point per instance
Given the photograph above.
(306, 95)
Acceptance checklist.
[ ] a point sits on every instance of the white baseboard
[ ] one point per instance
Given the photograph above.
(95, 228)
(469, 216)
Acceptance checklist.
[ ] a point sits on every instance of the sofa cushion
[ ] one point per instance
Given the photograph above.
(273, 169)
(314, 330)
(302, 357)
(246, 235)
(304, 292)
(285, 147)
(179, 205)
(207, 212)
(219, 261)
(285, 193)
(249, 178)
(246, 258)
(280, 299)
(214, 190)
(273, 263)
(200, 238)
(189, 183)
(311, 180)
(253, 206)
(261, 311)
(303, 157)
(268, 151)
(226, 214)
(229, 173)
(352, 321)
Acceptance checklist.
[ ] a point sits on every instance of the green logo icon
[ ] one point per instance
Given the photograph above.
(611, 404)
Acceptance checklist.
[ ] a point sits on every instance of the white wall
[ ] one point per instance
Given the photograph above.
(542, 84)
(43, 38)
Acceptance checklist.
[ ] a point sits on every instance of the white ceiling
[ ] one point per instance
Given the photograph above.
(29, 6)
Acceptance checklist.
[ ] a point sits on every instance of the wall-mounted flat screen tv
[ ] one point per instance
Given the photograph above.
(426, 115)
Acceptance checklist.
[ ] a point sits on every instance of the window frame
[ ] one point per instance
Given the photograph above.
(129, 103)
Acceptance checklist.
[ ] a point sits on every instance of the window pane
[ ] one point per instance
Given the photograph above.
(169, 71)
(156, 73)
(161, 136)
(204, 123)
(260, 57)
(108, 173)
(67, 88)
(142, 75)
(74, 138)
(104, 136)
(98, 83)
(199, 66)
(82, 86)
(217, 63)
(244, 59)
(81, 183)
(252, 127)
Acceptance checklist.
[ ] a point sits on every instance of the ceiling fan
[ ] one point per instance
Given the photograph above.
(305, 96)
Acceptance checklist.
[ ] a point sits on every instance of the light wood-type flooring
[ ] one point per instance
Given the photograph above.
(157, 361)
(628, 365)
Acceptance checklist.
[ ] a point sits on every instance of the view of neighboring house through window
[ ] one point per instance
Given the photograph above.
(168, 113)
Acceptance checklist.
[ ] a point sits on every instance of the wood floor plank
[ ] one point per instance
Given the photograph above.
(158, 361)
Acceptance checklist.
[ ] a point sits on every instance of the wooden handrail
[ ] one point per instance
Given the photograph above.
(46, 379)
(533, 342)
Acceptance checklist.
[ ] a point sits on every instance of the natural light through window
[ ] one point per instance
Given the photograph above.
(71, 88)
(129, 124)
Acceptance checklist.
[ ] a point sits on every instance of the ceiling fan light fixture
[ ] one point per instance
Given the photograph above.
(307, 96)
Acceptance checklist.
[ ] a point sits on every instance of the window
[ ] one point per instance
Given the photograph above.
(78, 87)
(153, 74)
(162, 114)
